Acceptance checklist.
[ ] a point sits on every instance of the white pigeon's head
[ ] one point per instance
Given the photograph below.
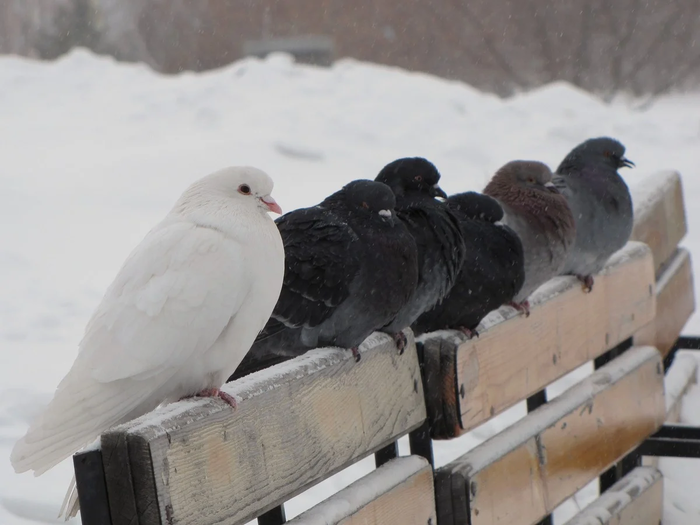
(245, 186)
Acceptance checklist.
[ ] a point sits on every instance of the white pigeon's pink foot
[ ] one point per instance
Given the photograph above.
(215, 392)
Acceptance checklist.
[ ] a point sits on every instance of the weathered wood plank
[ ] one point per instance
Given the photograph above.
(92, 491)
(296, 424)
(514, 357)
(524, 472)
(637, 499)
(659, 215)
(675, 303)
(399, 492)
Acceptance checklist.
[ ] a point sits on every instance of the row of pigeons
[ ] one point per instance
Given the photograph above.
(218, 288)
(388, 254)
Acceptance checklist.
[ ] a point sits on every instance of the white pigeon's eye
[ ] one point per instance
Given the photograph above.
(244, 189)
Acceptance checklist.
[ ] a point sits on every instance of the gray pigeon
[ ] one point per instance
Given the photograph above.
(350, 266)
(601, 204)
(434, 226)
(539, 214)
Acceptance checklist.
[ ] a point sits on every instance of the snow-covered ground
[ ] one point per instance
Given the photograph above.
(93, 153)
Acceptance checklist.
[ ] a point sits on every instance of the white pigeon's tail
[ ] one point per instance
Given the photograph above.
(80, 411)
(71, 505)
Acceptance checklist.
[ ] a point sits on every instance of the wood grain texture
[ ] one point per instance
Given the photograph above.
(514, 357)
(659, 215)
(637, 499)
(521, 474)
(397, 493)
(675, 303)
(296, 424)
(440, 382)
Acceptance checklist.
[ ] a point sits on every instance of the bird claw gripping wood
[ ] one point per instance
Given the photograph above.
(215, 392)
(356, 354)
(523, 308)
(587, 282)
(469, 332)
(401, 342)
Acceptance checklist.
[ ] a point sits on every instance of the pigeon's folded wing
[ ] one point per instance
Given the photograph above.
(321, 263)
(172, 299)
(439, 240)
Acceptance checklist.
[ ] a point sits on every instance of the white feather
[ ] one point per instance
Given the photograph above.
(181, 314)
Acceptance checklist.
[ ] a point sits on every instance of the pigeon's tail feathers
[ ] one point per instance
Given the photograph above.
(80, 411)
(71, 504)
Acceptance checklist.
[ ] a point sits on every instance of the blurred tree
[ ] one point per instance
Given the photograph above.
(646, 47)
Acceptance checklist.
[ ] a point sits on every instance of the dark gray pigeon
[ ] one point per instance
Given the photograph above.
(492, 273)
(601, 204)
(350, 266)
(435, 228)
(539, 214)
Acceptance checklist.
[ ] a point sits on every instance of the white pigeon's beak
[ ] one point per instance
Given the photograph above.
(271, 203)
(384, 213)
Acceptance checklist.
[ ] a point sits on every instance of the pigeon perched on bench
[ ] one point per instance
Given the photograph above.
(436, 229)
(180, 315)
(600, 202)
(350, 268)
(493, 270)
(541, 217)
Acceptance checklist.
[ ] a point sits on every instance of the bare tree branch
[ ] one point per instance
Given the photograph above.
(490, 45)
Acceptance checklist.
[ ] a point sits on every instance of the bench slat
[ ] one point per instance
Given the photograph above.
(637, 499)
(675, 303)
(659, 215)
(399, 492)
(296, 424)
(514, 357)
(524, 472)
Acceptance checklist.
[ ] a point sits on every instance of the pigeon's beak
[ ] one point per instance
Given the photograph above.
(626, 163)
(271, 203)
(436, 191)
(551, 187)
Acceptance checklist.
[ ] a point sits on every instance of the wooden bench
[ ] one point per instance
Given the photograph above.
(199, 462)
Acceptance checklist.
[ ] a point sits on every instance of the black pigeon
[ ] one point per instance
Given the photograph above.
(492, 273)
(436, 229)
(350, 266)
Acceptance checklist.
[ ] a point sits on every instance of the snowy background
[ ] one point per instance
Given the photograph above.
(93, 153)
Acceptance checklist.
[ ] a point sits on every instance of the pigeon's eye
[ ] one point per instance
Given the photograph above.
(531, 180)
(607, 153)
(365, 206)
(418, 178)
(244, 189)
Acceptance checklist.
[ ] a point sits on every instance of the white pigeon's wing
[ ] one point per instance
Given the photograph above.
(171, 300)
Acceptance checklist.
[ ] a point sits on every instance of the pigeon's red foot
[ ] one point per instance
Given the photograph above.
(523, 308)
(469, 332)
(401, 341)
(356, 354)
(587, 282)
(215, 392)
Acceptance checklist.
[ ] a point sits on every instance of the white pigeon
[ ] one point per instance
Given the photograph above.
(180, 316)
